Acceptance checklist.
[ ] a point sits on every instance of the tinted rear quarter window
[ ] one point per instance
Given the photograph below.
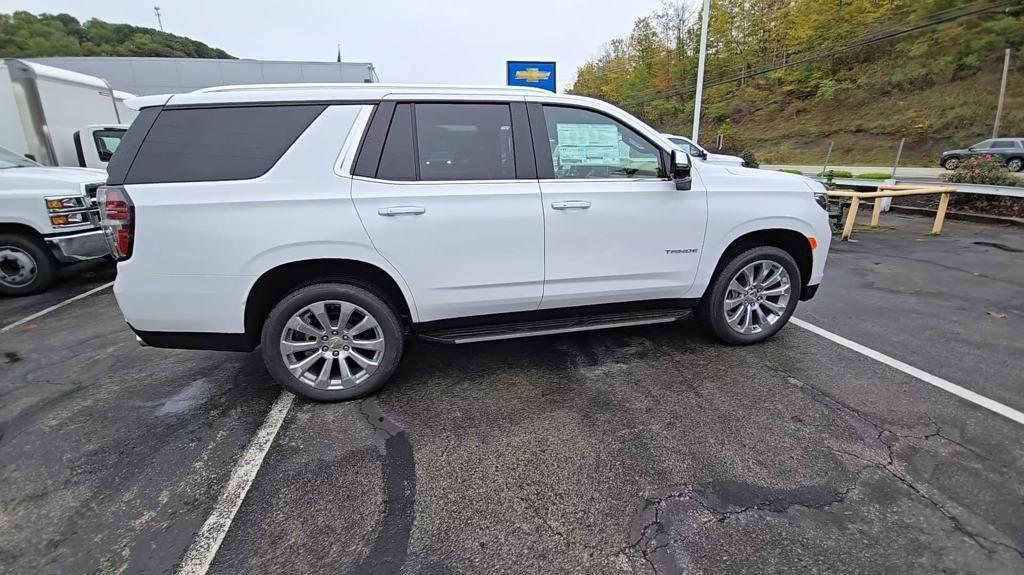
(117, 169)
(217, 144)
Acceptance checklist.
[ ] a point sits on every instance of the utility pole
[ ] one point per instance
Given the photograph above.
(1002, 93)
(159, 20)
(700, 68)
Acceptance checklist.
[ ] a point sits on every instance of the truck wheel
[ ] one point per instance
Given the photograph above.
(26, 265)
(752, 297)
(332, 341)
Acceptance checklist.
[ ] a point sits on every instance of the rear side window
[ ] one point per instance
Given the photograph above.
(398, 160)
(218, 144)
(464, 142)
(1003, 144)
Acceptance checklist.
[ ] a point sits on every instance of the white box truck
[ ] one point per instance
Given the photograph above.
(70, 124)
(58, 117)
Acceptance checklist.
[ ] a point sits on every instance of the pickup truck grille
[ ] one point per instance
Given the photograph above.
(90, 191)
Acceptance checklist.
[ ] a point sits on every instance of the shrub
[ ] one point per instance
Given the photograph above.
(986, 169)
(749, 159)
(874, 176)
(797, 172)
(835, 174)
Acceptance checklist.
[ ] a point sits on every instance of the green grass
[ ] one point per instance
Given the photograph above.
(866, 129)
(797, 172)
(836, 174)
(874, 176)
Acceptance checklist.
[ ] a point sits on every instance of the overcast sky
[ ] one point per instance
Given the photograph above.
(441, 41)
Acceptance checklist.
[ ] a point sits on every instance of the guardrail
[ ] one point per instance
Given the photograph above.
(1010, 191)
(889, 191)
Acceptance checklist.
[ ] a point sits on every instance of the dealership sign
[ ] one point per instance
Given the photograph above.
(532, 74)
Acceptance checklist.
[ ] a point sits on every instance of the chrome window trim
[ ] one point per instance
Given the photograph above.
(345, 163)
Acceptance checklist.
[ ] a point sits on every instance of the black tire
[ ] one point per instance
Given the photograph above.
(1015, 164)
(710, 312)
(951, 163)
(382, 312)
(29, 254)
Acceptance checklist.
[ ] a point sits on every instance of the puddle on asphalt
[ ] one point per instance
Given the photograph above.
(999, 246)
(192, 396)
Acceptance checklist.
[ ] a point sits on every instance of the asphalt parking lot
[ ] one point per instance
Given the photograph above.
(651, 450)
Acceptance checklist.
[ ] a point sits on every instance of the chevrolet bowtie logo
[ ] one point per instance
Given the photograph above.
(532, 75)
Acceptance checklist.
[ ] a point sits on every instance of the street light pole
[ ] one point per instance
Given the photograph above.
(159, 20)
(705, 15)
(1002, 93)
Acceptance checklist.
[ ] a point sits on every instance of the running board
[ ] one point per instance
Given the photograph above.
(553, 326)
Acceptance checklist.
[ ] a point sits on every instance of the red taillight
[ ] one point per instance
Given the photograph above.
(117, 218)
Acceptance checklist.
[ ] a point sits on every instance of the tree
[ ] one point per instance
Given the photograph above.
(25, 35)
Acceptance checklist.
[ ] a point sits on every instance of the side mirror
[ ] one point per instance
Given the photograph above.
(31, 157)
(679, 170)
(971, 149)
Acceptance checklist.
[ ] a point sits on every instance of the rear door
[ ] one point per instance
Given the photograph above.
(448, 192)
(1003, 149)
(616, 228)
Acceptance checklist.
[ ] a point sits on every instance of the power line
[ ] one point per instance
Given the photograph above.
(874, 38)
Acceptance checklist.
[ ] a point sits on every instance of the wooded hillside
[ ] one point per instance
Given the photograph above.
(24, 35)
(785, 77)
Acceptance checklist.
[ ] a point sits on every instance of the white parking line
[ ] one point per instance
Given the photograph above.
(39, 314)
(204, 548)
(975, 398)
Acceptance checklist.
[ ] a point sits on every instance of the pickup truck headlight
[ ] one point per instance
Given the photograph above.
(69, 219)
(59, 204)
(70, 211)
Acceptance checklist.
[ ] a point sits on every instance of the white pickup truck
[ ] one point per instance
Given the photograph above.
(48, 217)
(328, 222)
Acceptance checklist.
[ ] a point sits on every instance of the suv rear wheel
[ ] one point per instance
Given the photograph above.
(752, 297)
(1015, 164)
(332, 341)
(26, 265)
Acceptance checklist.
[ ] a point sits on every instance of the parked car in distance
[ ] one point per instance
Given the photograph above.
(346, 217)
(48, 217)
(1011, 150)
(695, 151)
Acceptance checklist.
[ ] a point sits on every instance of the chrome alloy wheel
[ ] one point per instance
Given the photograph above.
(757, 297)
(332, 345)
(17, 267)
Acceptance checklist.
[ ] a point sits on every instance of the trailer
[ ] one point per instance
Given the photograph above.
(58, 117)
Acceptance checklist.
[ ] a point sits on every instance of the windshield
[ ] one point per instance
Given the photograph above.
(9, 159)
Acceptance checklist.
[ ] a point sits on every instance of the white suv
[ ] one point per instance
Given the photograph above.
(328, 222)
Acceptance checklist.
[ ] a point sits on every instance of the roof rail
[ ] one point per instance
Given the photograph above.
(367, 85)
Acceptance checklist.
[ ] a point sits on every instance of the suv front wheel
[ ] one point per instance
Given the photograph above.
(752, 297)
(332, 341)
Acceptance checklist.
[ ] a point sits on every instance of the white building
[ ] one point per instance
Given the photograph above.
(144, 76)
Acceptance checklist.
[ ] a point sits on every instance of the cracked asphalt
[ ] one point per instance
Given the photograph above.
(647, 450)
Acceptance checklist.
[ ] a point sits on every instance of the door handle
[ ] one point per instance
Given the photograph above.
(571, 205)
(400, 210)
